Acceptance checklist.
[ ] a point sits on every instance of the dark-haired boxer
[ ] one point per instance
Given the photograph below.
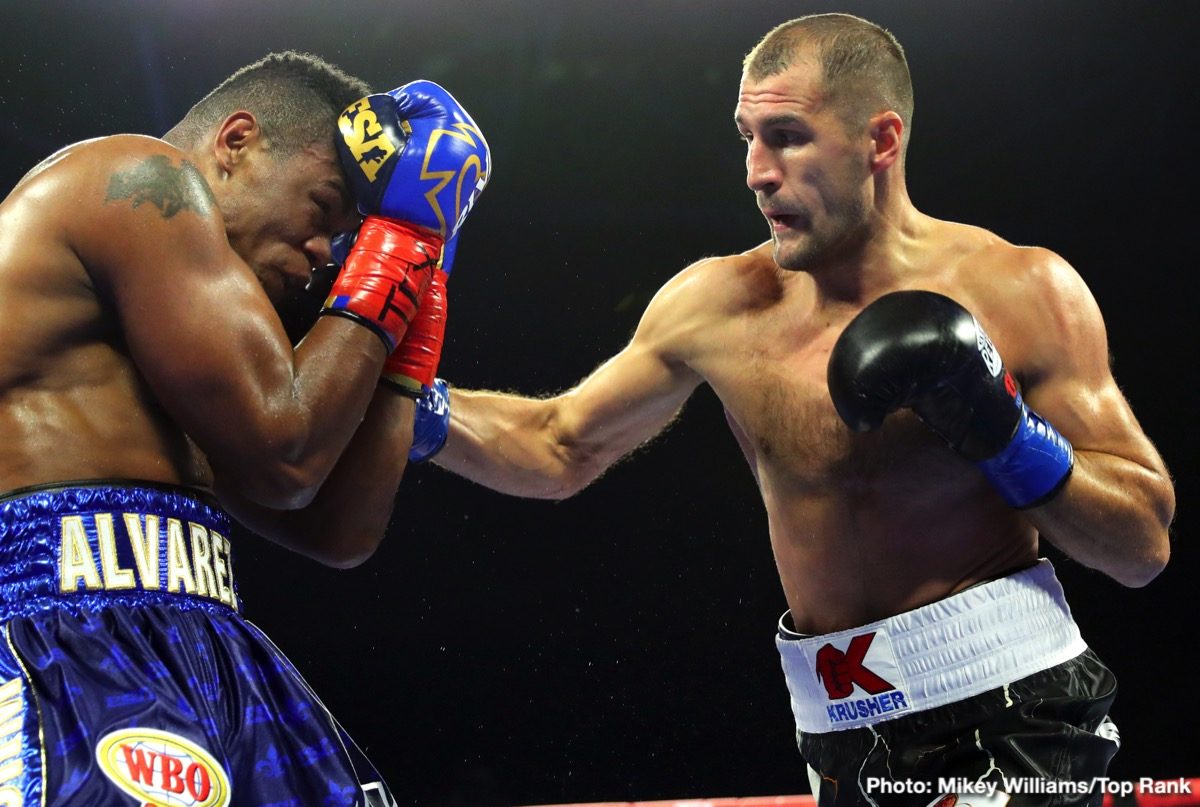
(148, 391)
(924, 639)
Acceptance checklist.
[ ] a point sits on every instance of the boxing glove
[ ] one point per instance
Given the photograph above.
(923, 351)
(411, 367)
(416, 163)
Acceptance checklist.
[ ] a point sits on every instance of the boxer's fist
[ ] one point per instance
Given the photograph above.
(415, 162)
(924, 351)
(384, 276)
(921, 350)
(415, 155)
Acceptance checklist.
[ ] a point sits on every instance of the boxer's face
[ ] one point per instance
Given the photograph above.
(807, 171)
(287, 209)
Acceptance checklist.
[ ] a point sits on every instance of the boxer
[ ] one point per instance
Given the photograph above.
(149, 396)
(908, 476)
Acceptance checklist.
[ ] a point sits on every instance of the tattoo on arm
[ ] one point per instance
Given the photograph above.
(169, 188)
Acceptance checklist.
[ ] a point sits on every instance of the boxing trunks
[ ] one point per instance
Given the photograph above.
(988, 697)
(128, 676)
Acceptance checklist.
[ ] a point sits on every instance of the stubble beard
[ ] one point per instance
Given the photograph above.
(818, 248)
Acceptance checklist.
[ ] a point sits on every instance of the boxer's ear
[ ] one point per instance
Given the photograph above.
(887, 139)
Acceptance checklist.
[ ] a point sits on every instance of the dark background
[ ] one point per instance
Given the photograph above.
(619, 645)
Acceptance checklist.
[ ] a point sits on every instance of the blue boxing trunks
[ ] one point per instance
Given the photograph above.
(127, 675)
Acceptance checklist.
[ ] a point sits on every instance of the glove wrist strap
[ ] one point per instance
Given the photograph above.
(1035, 464)
(431, 424)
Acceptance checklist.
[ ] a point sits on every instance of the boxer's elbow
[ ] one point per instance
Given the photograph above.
(1154, 549)
(329, 541)
(533, 448)
(349, 554)
(565, 485)
(1147, 566)
(280, 485)
(275, 473)
(574, 466)
(294, 488)
(573, 459)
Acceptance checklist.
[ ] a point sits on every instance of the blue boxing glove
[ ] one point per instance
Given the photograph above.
(414, 155)
(923, 351)
(416, 163)
(431, 424)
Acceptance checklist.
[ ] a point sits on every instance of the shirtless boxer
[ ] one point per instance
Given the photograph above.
(147, 389)
(924, 637)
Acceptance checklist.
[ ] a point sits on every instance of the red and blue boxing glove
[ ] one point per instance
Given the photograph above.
(416, 162)
(412, 366)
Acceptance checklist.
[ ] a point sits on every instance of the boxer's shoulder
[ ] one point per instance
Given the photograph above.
(723, 285)
(90, 190)
(95, 160)
(135, 170)
(1029, 299)
(970, 257)
(694, 309)
(991, 276)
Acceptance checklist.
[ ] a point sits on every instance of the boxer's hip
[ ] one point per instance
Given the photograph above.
(950, 650)
(125, 666)
(1041, 741)
(88, 545)
(992, 685)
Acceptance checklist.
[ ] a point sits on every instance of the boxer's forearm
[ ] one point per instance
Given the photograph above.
(347, 519)
(554, 447)
(1113, 515)
(512, 445)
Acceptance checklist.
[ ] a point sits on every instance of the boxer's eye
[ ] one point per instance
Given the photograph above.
(789, 137)
(326, 213)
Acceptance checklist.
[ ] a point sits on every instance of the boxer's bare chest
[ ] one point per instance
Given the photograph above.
(771, 376)
(862, 525)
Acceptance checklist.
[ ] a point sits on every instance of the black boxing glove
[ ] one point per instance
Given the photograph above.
(923, 351)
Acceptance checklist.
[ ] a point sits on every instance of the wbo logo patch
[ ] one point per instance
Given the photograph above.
(161, 769)
(867, 667)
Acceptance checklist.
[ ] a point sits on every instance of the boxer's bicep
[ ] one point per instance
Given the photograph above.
(1072, 385)
(1115, 510)
(194, 318)
(553, 447)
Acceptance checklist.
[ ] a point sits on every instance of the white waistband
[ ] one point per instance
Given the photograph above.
(979, 639)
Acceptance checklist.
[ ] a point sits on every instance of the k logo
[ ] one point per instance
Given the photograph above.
(840, 671)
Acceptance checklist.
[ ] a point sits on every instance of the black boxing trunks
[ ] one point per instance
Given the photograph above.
(128, 676)
(989, 697)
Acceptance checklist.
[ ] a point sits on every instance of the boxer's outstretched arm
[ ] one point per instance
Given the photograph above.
(347, 519)
(1115, 511)
(553, 447)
